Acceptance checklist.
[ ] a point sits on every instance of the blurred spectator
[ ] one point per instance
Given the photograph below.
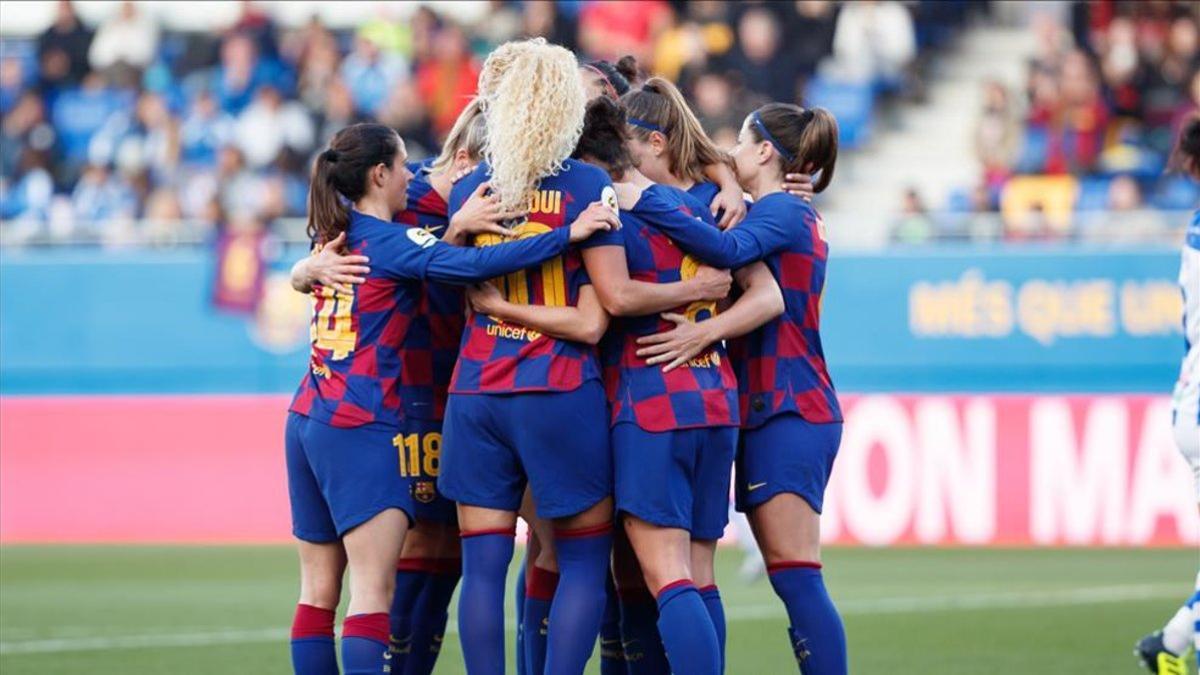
(715, 107)
(815, 20)
(128, 38)
(1124, 218)
(62, 50)
(29, 195)
(447, 81)
(237, 188)
(242, 71)
(609, 29)
(997, 134)
(757, 57)
(319, 60)
(25, 128)
(205, 129)
(914, 225)
(146, 138)
(269, 125)
(102, 198)
(874, 41)
(371, 72)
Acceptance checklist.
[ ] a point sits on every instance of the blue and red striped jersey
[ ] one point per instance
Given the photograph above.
(355, 359)
(431, 345)
(702, 394)
(498, 357)
(781, 365)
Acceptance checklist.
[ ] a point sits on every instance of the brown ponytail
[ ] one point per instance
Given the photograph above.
(806, 140)
(658, 106)
(339, 175)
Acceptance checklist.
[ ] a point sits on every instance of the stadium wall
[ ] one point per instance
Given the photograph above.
(1011, 397)
(913, 469)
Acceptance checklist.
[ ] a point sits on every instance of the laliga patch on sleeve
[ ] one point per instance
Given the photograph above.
(609, 197)
(420, 237)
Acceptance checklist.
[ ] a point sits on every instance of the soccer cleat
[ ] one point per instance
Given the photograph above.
(1157, 658)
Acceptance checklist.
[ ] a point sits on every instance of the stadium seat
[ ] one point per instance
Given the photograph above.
(852, 103)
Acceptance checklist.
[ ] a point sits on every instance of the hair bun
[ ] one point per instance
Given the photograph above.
(330, 155)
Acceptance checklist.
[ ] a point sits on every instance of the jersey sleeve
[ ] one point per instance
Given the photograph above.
(414, 253)
(600, 189)
(762, 233)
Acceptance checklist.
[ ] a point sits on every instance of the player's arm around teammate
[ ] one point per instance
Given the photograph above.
(349, 506)
(524, 406)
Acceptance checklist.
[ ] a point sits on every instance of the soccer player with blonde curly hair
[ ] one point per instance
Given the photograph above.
(525, 405)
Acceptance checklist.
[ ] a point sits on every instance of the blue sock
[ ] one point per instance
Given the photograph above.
(365, 644)
(411, 577)
(643, 647)
(429, 623)
(313, 651)
(817, 635)
(486, 554)
(583, 557)
(716, 612)
(612, 657)
(540, 585)
(687, 631)
(519, 604)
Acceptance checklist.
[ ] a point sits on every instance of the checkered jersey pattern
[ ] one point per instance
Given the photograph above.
(780, 366)
(700, 394)
(431, 344)
(498, 357)
(355, 355)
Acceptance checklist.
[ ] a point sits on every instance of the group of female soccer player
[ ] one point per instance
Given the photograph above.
(588, 388)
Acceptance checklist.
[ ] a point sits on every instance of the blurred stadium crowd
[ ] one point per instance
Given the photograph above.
(128, 130)
(1083, 151)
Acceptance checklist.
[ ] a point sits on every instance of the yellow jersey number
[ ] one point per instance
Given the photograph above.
(332, 329)
(701, 309)
(420, 454)
(515, 287)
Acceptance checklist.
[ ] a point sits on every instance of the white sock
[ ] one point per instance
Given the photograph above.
(1179, 631)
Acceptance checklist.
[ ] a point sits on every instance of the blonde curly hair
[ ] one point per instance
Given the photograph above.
(533, 101)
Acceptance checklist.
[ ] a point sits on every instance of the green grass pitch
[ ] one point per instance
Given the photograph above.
(186, 610)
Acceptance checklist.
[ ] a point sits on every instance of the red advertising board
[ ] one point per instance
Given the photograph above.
(929, 470)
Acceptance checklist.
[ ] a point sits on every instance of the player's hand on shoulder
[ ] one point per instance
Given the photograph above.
(730, 206)
(596, 217)
(480, 214)
(712, 283)
(800, 185)
(485, 298)
(331, 266)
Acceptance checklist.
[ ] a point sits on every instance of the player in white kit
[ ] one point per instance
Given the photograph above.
(1162, 651)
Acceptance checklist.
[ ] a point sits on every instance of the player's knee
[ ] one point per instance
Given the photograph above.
(324, 591)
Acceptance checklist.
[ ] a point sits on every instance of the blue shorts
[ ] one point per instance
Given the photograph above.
(675, 478)
(785, 454)
(420, 450)
(557, 441)
(339, 478)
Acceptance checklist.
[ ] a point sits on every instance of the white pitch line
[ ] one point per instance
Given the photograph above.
(864, 606)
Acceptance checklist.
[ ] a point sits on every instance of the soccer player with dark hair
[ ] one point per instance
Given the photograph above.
(791, 420)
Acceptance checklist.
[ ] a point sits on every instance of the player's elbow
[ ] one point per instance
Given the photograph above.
(619, 303)
(591, 330)
(772, 302)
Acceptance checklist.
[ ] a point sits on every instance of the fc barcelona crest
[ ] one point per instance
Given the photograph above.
(424, 491)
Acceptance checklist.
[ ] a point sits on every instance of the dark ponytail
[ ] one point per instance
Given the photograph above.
(604, 137)
(806, 140)
(340, 175)
(617, 78)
